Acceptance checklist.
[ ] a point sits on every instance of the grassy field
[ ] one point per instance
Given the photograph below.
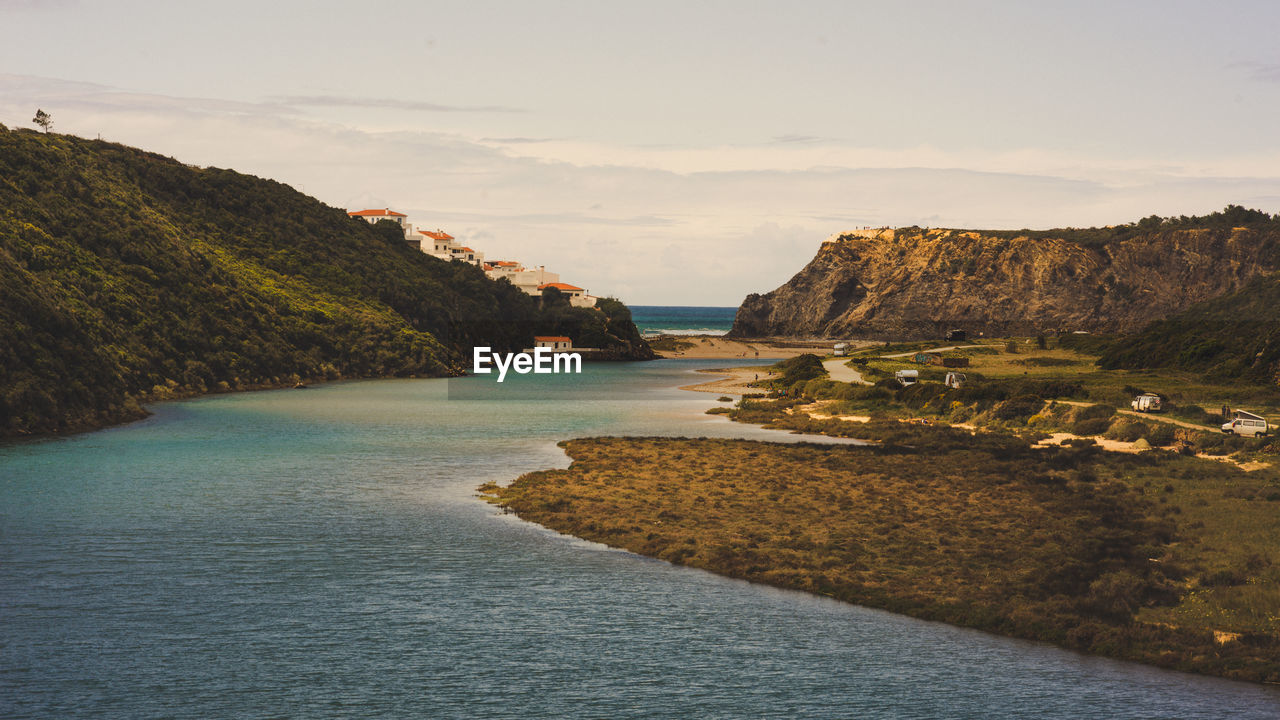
(1159, 558)
(1018, 358)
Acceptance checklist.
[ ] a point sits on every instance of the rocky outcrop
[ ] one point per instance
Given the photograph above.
(918, 283)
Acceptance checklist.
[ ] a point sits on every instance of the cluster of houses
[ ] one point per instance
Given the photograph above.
(440, 244)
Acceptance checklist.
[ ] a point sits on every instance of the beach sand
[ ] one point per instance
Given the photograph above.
(714, 347)
(733, 381)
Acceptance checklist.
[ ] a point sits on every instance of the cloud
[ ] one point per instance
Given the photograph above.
(390, 103)
(740, 221)
(788, 139)
(37, 4)
(1266, 72)
(515, 140)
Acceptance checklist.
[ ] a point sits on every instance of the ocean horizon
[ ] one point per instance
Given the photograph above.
(653, 320)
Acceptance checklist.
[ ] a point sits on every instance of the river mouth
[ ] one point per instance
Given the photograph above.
(324, 552)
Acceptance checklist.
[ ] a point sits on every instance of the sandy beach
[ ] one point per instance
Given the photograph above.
(733, 381)
(715, 347)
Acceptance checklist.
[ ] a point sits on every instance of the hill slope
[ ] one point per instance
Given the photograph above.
(913, 282)
(129, 277)
(1235, 336)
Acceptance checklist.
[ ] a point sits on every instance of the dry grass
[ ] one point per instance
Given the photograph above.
(1065, 545)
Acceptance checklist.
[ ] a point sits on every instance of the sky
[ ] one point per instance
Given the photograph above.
(680, 153)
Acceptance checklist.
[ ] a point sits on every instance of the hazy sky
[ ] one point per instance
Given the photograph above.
(680, 152)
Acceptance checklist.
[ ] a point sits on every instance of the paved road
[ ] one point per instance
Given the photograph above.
(840, 372)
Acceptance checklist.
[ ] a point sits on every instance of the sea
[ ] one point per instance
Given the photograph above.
(655, 320)
(323, 553)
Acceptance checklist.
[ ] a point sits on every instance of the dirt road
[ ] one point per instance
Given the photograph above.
(840, 372)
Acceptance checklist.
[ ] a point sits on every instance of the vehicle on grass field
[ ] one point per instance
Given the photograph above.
(907, 377)
(1146, 402)
(1246, 424)
(955, 380)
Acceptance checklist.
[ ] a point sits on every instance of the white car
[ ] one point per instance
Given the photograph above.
(1246, 424)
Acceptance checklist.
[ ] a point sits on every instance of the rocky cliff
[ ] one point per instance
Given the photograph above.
(916, 283)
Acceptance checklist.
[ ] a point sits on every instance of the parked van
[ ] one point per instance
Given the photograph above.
(1246, 424)
(955, 380)
(840, 349)
(907, 377)
(1147, 402)
(956, 335)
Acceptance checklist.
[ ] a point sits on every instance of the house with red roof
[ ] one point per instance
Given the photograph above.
(578, 297)
(373, 216)
(553, 342)
(440, 244)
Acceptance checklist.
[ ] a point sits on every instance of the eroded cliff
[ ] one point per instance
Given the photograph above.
(913, 283)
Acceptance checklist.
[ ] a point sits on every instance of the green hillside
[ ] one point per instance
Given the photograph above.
(1232, 337)
(128, 277)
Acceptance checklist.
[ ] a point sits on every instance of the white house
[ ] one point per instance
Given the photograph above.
(530, 280)
(578, 297)
(553, 342)
(440, 244)
(373, 216)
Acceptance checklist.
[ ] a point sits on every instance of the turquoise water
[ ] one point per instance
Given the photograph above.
(682, 320)
(321, 553)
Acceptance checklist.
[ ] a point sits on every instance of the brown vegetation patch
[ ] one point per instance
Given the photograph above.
(982, 531)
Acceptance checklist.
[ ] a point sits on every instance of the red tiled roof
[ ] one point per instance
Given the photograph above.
(385, 212)
(551, 338)
(438, 235)
(464, 249)
(507, 263)
(487, 266)
(560, 286)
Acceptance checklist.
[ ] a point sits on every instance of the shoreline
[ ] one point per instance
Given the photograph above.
(717, 347)
(738, 381)
(671, 499)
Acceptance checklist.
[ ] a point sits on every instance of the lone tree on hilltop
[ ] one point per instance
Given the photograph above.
(43, 119)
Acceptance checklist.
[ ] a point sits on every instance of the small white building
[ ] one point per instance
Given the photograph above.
(530, 280)
(578, 297)
(440, 244)
(374, 215)
(553, 342)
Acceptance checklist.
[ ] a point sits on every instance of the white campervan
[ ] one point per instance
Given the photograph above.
(907, 377)
(1246, 424)
(1146, 402)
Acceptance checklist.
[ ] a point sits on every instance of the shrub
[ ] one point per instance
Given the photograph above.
(1127, 430)
(1017, 409)
(1092, 426)
(1160, 434)
(800, 368)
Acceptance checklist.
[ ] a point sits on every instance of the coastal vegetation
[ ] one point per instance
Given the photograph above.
(131, 277)
(1158, 558)
(1230, 217)
(998, 505)
(1235, 337)
(1019, 386)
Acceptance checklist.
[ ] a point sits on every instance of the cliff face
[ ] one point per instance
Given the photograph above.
(914, 283)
